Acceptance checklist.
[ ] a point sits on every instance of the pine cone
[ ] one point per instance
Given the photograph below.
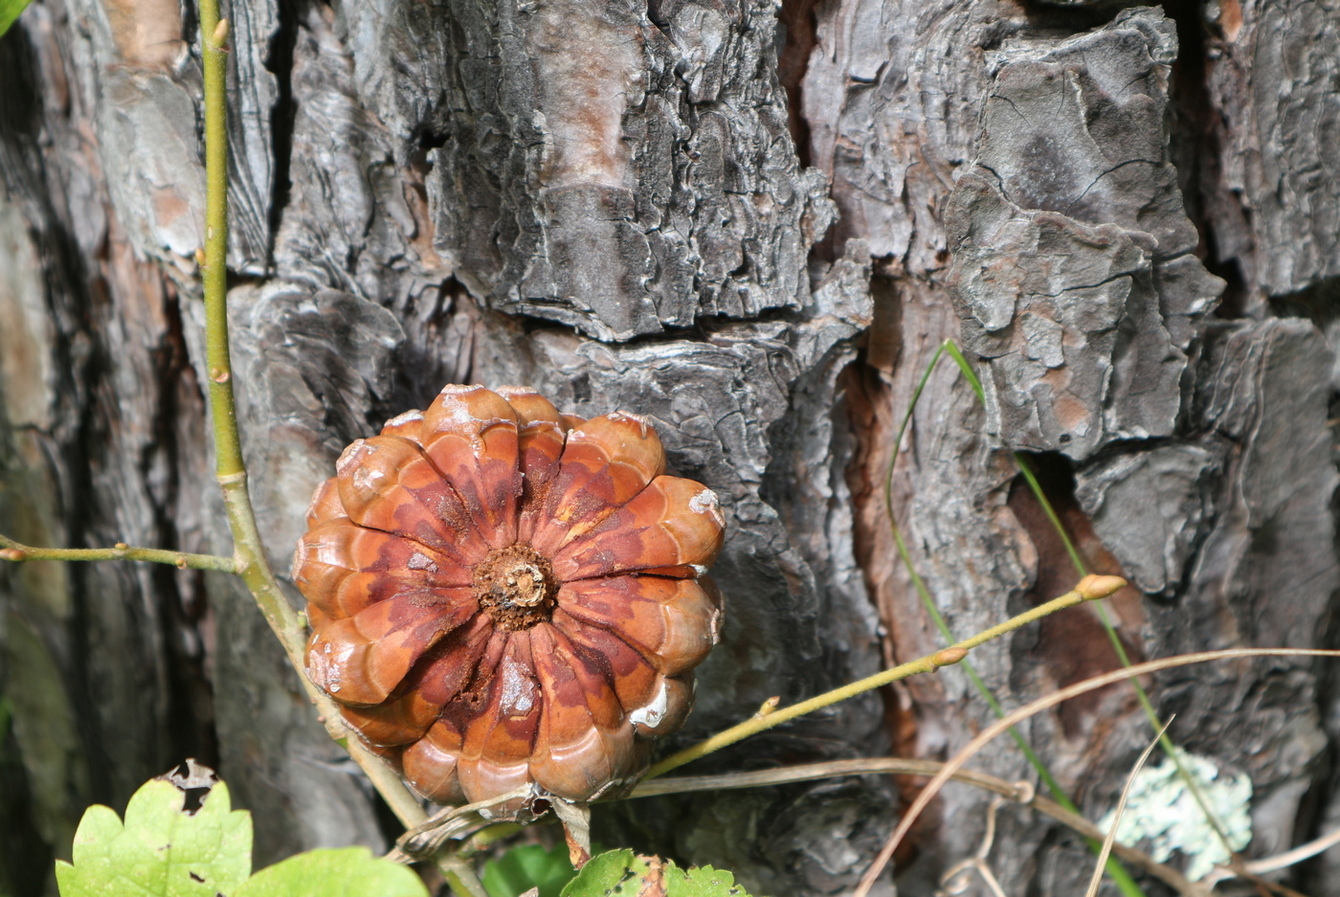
(502, 595)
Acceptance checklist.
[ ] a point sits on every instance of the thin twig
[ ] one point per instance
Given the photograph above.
(230, 470)
(15, 551)
(1111, 838)
(1019, 792)
(808, 772)
(977, 862)
(1090, 588)
(1284, 860)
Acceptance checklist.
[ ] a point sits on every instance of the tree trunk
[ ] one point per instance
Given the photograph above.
(754, 226)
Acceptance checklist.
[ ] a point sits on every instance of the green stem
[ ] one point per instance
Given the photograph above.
(920, 585)
(15, 551)
(230, 469)
(1123, 878)
(461, 877)
(953, 654)
(214, 272)
(1055, 519)
(1142, 696)
(1082, 569)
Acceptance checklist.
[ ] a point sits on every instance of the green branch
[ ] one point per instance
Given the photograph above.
(230, 470)
(14, 551)
(1089, 589)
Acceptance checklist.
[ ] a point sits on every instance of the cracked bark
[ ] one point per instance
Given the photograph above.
(607, 201)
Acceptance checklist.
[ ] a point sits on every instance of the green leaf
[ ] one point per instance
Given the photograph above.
(160, 851)
(9, 11)
(702, 881)
(345, 872)
(163, 851)
(619, 873)
(529, 866)
(606, 874)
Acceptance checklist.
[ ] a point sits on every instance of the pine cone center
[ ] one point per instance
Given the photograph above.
(516, 586)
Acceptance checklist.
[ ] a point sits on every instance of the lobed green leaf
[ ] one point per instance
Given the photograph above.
(342, 872)
(160, 850)
(619, 873)
(163, 851)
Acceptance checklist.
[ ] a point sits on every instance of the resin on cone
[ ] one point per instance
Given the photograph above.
(501, 595)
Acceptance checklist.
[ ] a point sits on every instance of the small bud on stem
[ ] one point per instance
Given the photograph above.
(1093, 586)
(949, 656)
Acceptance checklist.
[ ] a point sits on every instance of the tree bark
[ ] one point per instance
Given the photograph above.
(755, 226)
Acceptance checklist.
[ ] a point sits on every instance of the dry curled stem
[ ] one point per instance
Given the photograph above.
(451, 824)
(1021, 793)
(988, 734)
